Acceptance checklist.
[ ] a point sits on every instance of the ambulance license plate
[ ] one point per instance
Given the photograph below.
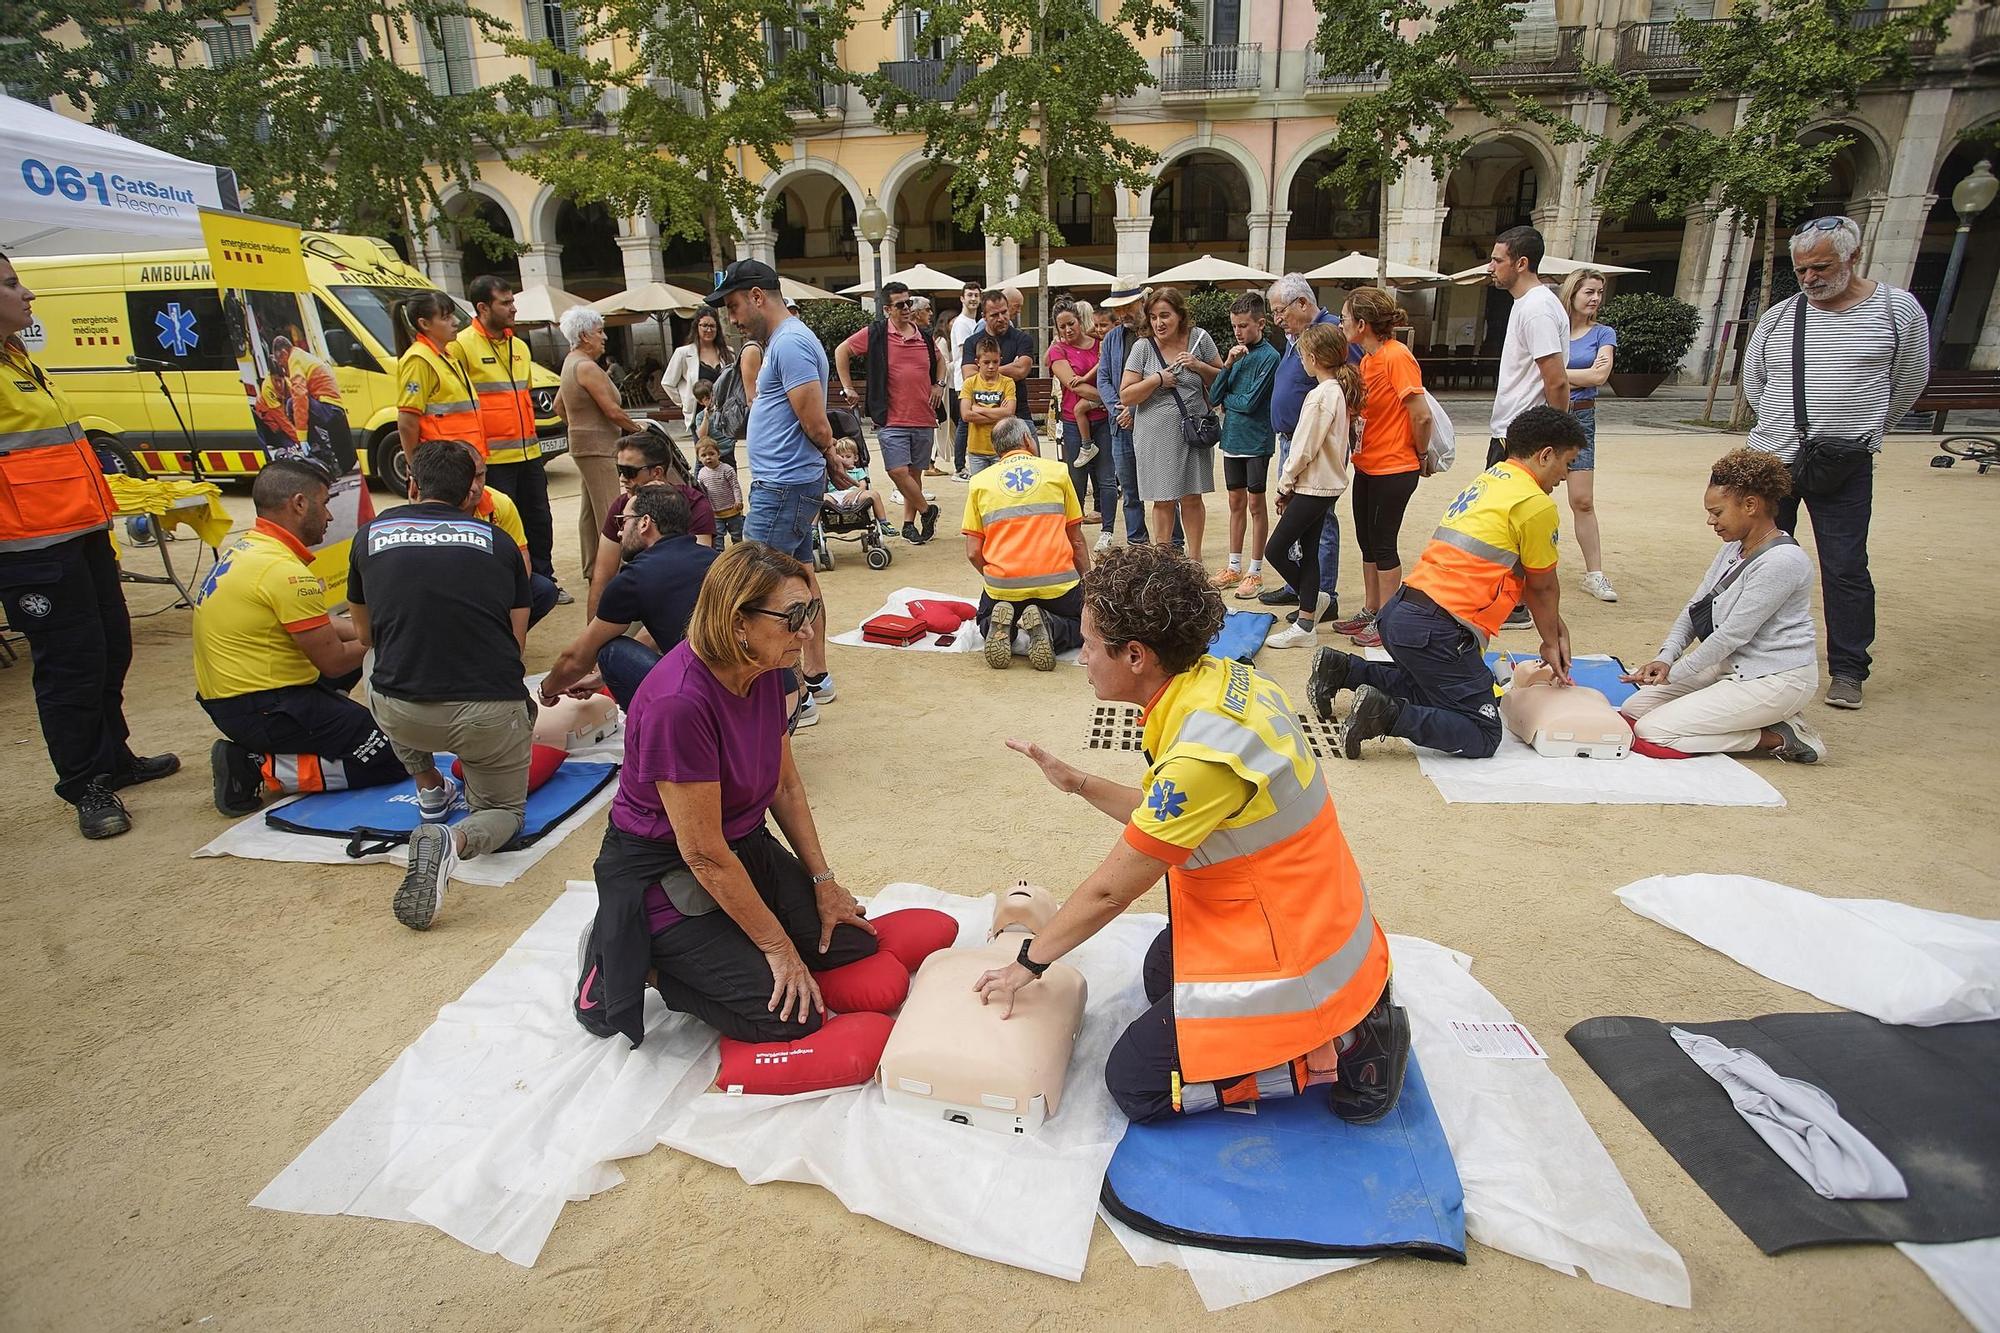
(555, 444)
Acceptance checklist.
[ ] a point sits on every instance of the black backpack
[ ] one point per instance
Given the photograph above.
(728, 405)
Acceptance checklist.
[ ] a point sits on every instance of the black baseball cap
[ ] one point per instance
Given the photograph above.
(741, 276)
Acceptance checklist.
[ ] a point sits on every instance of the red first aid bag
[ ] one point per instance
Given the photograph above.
(896, 631)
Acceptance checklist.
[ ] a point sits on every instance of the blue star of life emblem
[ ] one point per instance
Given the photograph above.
(1466, 499)
(1164, 801)
(176, 326)
(1019, 479)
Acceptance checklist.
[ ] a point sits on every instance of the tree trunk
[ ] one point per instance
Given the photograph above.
(1042, 249)
(1382, 234)
(1739, 416)
(710, 222)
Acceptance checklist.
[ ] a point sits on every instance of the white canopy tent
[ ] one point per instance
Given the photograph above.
(918, 278)
(1210, 269)
(1063, 273)
(1357, 267)
(72, 188)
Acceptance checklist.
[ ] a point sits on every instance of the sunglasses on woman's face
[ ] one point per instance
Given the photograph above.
(796, 616)
(627, 472)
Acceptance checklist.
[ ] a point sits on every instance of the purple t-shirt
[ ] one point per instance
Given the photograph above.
(685, 726)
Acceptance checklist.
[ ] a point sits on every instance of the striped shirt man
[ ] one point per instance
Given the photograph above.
(1865, 367)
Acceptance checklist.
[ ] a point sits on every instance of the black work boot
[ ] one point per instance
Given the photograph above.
(1372, 713)
(99, 812)
(1371, 1069)
(146, 768)
(1327, 679)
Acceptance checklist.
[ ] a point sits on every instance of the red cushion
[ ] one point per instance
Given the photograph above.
(543, 761)
(876, 985)
(843, 1053)
(942, 617)
(915, 933)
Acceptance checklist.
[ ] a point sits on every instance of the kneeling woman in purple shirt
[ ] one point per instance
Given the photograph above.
(695, 895)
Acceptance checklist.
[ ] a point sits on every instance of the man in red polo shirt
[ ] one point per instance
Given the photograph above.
(901, 397)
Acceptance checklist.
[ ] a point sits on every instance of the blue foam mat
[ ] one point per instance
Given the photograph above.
(1600, 673)
(1295, 1180)
(1241, 635)
(374, 819)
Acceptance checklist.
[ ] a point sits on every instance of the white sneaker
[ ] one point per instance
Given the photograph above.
(420, 897)
(1291, 636)
(808, 715)
(434, 804)
(1599, 586)
(1103, 544)
(1085, 456)
(822, 692)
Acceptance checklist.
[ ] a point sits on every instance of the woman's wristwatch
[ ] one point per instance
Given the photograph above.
(1027, 962)
(823, 877)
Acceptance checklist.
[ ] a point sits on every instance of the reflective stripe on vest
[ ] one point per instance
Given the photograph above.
(52, 487)
(506, 412)
(1473, 546)
(43, 438)
(457, 418)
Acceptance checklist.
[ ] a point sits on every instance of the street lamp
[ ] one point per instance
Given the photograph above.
(1969, 198)
(874, 224)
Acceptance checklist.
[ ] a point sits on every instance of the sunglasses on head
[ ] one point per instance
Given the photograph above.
(796, 616)
(627, 471)
(1823, 224)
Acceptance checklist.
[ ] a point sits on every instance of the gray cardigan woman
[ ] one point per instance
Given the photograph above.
(1741, 688)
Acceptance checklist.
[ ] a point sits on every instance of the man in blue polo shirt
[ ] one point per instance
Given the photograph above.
(1295, 307)
(656, 588)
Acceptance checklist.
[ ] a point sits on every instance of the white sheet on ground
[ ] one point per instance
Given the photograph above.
(968, 640)
(504, 1109)
(1888, 960)
(1516, 775)
(1968, 1274)
(1538, 1183)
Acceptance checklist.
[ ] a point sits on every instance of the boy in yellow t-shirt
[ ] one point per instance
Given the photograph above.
(986, 401)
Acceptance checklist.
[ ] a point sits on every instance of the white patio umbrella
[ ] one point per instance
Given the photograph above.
(656, 300)
(794, 290)
(1210, 269)
(1553, 266)
(1062, 273)
(1357, 267)
(544, 304)
(920, 278)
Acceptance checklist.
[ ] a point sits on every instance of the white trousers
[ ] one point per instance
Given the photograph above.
(1715, 713)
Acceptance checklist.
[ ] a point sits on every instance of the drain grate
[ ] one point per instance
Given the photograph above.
(1117, 727)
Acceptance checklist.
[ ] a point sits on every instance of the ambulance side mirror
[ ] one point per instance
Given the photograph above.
(344, 349)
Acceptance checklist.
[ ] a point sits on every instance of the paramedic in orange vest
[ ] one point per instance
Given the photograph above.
(1024, 534)
(502, 372)
(1495, 546)
(437, 400)
(59, 581)
(1272, 977)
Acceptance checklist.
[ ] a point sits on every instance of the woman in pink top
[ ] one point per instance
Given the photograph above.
(1086, 426)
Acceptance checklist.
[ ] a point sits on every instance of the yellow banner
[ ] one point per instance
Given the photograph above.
(253, 253)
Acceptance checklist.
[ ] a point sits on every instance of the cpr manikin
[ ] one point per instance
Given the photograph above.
(565, 725)
(1561, 722)
(951, 1057)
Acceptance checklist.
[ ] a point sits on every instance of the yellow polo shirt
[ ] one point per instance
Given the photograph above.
(258, 596)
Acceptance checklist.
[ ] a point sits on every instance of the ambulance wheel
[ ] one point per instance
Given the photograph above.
(879, 557)
(115, 458)
(387, 467)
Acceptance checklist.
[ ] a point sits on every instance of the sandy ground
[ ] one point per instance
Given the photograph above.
(176, 1031)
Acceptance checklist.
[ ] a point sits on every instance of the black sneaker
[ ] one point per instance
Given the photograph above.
(1518, 618)
(1371, 714)
(238, 783)
(99, 812)
(1279, 596)
(912, 535)
(930, 518)
(1327, 680)
(146, 768)
(1371, 1070)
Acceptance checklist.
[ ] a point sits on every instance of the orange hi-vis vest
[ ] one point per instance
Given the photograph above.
(51, 487)
(1495, 532)
(436, 386)
(1275, 950)
(501, 375)
(1023, 509)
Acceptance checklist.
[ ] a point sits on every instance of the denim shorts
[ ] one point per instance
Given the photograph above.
(906, 446)
(782, 516)
(1587, 460)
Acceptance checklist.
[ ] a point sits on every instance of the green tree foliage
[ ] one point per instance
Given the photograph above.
(1654, 332)
(715, 85)
(1209, 309)
(324, 125)
(1424, 57)
(135, 69)
(833, 322)
(1029, 114)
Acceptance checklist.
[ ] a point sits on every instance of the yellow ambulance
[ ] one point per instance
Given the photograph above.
(162, 311)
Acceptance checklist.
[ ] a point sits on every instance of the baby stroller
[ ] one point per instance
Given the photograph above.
(848, 525)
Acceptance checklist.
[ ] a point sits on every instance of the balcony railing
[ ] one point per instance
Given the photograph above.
(1986, 33)
(1923, 45)
(930, 80)
(1318, 76)
(1567, 60)
(1212, 69)
(1656, 48)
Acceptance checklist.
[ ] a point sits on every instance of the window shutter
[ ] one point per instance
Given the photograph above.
(228, 42)
(1195, 32)
(1534, 36)
(433, 60)
(458, 53)
(1663, 10)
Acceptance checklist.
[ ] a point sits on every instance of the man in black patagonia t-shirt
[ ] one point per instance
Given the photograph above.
(442, 597)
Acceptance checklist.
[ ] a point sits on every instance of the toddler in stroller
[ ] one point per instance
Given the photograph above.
(854, 514)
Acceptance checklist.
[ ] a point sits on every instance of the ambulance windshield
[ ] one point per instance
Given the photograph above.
(375, 308)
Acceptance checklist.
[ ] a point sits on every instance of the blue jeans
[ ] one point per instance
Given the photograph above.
(1101, 471)
(782, 516)
(728, 529)
(978, 463)
(1439, 674)
(1840, 536)
(1125, 467)
(623, 663)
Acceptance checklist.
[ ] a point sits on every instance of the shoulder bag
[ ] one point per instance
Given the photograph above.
(1201, 430)
(1824, 463)
(1701, 611)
